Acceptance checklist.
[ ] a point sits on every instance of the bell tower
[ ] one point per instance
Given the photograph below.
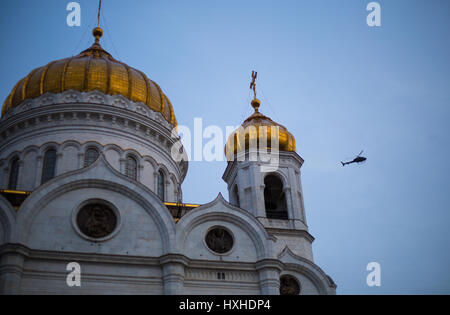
(264, 178)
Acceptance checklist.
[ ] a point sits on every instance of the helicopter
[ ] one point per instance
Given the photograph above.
(358, 159)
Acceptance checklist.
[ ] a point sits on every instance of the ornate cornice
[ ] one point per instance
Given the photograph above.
(93, 97)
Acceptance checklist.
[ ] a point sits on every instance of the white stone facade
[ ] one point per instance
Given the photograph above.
(148, 252)
(72, 122)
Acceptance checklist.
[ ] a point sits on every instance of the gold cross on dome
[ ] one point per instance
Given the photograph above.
(253, 84)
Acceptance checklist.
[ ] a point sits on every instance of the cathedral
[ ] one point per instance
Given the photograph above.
(88, 176)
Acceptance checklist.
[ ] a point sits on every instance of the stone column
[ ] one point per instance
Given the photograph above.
(257, 184)
(80, 160)
(39, 171)
(155, 177)
(12, 258)
(293, 214)
(241, 191)
(59, 157)
(173, 273)
(302, 203)
(297, 207)
(20, 177)
(167, 190)
(269, 276)
(261, 212)
(5, 179)
(140, 171)
(123, 166)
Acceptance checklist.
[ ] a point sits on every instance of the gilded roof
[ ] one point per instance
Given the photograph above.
(240, 140)
(92, 70)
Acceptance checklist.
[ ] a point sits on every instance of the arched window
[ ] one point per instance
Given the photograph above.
(14, 174)
(160, 188)
(274, 198)
(131, 168)
(49, 167)
(237, 202)
(90, 156)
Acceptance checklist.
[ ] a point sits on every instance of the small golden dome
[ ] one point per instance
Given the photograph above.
(92, 70)
(235, 144)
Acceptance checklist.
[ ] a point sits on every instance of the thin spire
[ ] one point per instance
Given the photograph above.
(99, 12)
(98, 32)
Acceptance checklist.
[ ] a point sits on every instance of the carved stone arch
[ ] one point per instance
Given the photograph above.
(151, 160)
(275, 196)
(71, 143)
(173, 178)
(133, 153)
(13, 155)
(13, 158)
(115, 155)
(113, 147)
(164, 170)
(7, 220)
(294, 263)
(92, 144)
(54, 171)
(309, 273)
(241, 218)
(280, 175)
(152, 207)
(85, 155)
(30, 149)
(97, 146)
(50, 145)
(233, 220)
(88, 178)
(129, 156)
(174, 181)
(174, 189)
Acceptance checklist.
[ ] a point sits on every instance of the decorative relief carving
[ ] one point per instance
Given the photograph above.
(95, 97)
(70, 97)
(119, 101)
(46, 99)
(26, 106)
(219, 240)
(96, 220)
(141, 110)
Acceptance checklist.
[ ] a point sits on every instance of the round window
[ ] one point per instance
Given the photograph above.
(219, 240)
(289, 285)
(96, 220)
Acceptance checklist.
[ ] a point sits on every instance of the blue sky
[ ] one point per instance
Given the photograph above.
(336, 84)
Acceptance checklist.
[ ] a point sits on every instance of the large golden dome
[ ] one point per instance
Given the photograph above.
(240, 140)
(92, 70)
